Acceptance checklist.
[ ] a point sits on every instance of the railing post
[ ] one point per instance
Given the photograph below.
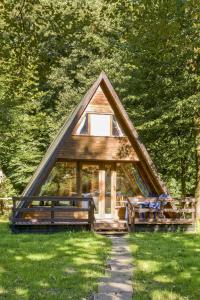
(52, 211)
(132, 218)
(127, 214)
(91, 213)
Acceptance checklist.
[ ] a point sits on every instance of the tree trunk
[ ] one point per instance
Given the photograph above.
(183, 178)
(197, 191)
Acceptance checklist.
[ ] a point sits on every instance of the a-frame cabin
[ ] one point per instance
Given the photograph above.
(91, 172)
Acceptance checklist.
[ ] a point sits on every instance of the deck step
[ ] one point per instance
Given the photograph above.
(110, 226)
(112, 233)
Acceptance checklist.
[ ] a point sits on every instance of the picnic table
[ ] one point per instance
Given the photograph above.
(153, 205)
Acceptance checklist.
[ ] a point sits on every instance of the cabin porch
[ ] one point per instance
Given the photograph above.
(60, 213)
(101, 196)
(108, 183)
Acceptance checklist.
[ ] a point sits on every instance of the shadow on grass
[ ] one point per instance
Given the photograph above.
(167, 266)
(58, 266)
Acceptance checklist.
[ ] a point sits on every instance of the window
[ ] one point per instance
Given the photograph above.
(125, 183)
(61, 181)
(83, 127)
(144, 188)
(116, 130)
(99, 125)
(130, 182)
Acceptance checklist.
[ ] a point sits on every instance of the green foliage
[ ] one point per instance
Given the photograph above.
(51, 53)
(166, 265)
(165, 86)
(42, 266)
(6, 188)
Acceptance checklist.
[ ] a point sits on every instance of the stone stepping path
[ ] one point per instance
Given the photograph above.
(117, 282)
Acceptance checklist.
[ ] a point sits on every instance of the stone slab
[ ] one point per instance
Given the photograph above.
(113, 296)
(115, 287)
(117, 282)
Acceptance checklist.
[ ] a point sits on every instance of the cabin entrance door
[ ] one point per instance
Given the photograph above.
(99, 181)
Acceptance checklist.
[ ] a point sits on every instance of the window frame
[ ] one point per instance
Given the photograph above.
(89, 125)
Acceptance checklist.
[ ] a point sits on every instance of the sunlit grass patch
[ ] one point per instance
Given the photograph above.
(167, 266)
(165, 294)
(50, 266)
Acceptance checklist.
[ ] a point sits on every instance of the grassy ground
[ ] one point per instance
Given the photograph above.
(167, 266)
(55, 266)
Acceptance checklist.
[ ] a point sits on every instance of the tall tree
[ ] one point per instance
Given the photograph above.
(161, 39)
(52, 51)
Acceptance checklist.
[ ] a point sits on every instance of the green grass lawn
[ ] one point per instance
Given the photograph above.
(167, 266)
(53, 266)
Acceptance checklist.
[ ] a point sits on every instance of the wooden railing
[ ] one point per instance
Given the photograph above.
(52, 210)
(173, 212)
(130, 215)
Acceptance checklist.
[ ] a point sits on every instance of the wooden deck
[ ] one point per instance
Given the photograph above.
(79, 212)
(172, 212)
(52, 211)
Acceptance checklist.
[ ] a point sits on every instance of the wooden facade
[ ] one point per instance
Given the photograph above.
(97, 148)
(91, 170)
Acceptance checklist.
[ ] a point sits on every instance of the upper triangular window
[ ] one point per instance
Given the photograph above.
(83, 126)
(116, 129)
(99, 125)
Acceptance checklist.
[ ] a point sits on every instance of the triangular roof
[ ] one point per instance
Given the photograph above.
(50, 157)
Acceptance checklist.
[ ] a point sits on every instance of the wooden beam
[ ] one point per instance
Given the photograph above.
(101, 190)
(52, 209)
(56, 221)
(113, 190)
(50, 198)
(164, 221)
(78, 179)
(178, 210)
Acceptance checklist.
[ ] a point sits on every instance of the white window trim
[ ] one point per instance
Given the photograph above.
(78, 129)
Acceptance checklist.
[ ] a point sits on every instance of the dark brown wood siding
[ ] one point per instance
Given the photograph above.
(99, 103)
(97, 148)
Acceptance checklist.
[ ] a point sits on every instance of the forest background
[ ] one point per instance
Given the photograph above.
(52, 51)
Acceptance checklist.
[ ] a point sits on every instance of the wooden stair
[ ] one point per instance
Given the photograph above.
(110, 225)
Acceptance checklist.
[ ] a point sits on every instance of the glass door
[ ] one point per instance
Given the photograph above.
(108, 191)
(99, 181)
